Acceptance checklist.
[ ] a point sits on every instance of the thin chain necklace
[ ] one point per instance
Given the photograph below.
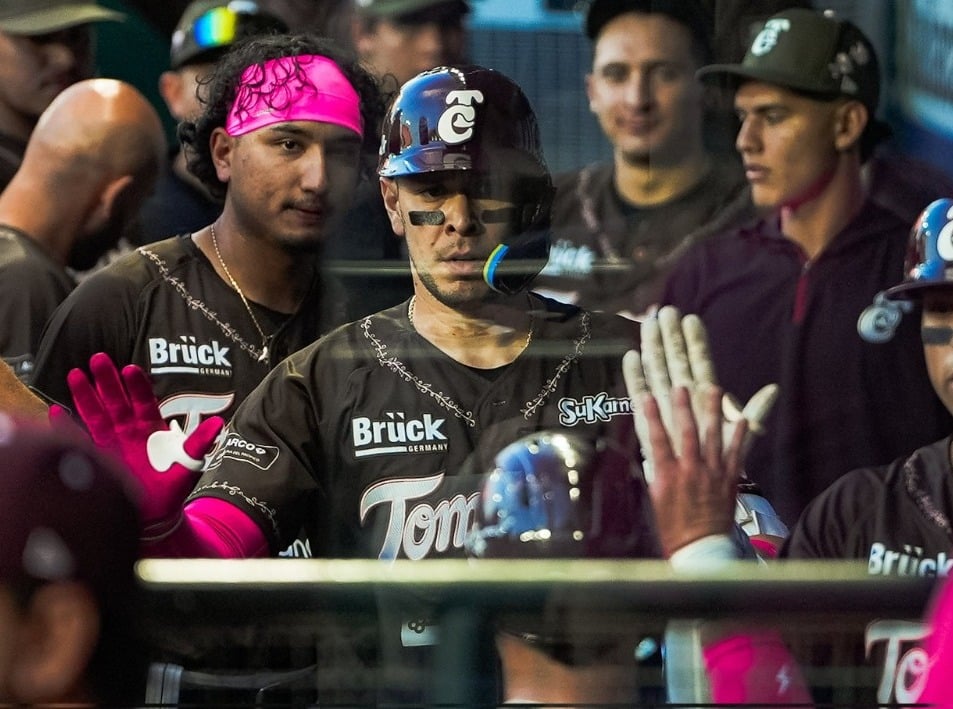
(413, 303)
(263, 357)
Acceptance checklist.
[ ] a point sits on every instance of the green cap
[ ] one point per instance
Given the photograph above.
(34, 17)
(809, 51)
(395, 8)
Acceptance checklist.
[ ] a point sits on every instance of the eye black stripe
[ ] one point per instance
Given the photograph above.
(936, 335)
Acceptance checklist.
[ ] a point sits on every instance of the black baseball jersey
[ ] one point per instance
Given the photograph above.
(32, 284)
(613, 256)
(376, 440)
(897, 519)
(164, 308)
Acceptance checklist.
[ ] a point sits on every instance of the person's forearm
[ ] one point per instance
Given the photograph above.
(209, 528)
(16, 398)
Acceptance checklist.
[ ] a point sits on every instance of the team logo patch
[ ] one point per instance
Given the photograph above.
(187, 356)
(397, 433)
(237, 448)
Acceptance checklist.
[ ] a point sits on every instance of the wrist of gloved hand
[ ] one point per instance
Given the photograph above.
(705, 553)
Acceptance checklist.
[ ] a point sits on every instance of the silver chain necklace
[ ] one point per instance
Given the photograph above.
(413, 303)
(263, 357)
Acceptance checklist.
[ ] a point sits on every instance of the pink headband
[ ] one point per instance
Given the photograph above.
(307, 87)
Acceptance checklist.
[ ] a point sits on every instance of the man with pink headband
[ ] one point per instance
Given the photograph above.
(208, 314)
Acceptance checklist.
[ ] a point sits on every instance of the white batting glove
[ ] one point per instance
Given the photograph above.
(675, 354)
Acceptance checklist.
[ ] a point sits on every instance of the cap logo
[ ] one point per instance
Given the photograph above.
(769, 35)
(844, 65)
(455, 124)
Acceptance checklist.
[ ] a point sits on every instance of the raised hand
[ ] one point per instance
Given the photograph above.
(122, 415)
(675, 354)
(696, 475)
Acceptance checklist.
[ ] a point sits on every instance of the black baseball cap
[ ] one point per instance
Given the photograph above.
(36, 17)
(807, 51)
(693, 14)
(401, 9)
(208, 28)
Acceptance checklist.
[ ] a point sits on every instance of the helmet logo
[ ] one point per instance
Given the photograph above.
(455, 125)
(944, 241)
(879, 321)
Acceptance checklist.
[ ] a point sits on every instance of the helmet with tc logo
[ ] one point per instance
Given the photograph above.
(475, 119)
(929, 262)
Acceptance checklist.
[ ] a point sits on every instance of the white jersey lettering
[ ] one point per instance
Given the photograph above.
(416, 531)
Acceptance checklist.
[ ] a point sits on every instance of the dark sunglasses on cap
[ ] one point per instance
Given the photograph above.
(218, 28)
(221, 26)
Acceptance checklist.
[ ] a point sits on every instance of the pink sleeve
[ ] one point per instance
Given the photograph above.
(938, 690)
(210, 528)
(754, 668)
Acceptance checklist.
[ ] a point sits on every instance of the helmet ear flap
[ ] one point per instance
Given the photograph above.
(536, 214)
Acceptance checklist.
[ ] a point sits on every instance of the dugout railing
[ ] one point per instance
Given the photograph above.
(837, 618)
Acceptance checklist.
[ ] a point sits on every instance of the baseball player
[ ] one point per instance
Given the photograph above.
(91, 160)
(786, 299)
(897, 516)
(208, 314)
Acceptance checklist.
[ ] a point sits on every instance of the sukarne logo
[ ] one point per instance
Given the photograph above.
(592, 409)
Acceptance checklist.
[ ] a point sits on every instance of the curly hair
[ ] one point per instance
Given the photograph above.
(222, 87)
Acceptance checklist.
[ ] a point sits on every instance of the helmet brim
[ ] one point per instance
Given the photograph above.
(913, 291)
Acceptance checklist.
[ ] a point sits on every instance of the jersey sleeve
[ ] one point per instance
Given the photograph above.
(98, 316)
(28, 296)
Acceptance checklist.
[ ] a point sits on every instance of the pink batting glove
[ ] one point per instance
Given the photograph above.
(122, 415)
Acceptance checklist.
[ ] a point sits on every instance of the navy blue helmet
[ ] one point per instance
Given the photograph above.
(560, 495)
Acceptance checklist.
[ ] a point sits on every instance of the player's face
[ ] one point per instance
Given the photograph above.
(181, 90)
(452, 221)
(787, 143)
(642, 88)
(938, 315)
(403, 49)
(33, 70)
(289, 183)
